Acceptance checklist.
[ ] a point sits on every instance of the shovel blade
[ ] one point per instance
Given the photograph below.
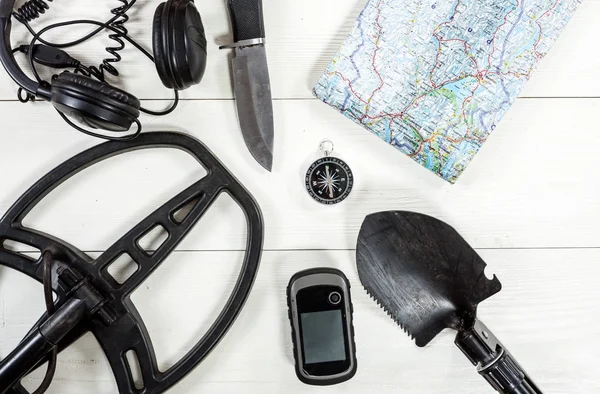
(422, 273)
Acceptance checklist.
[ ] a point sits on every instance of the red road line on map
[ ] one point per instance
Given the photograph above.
(537, 54)
(383, 115)
(496, 33)
(464, 115)
(413, 102)
(422, 144)
(379, 29)
(478, 76)
(416, 99)
(350, 86)
(390, 124)
(439, 51)
(467, 50)
(428, 140)
(419, 149)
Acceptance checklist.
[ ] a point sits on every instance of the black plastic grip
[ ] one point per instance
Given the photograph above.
(496, 365)
(34, 348)
(246, 19)
(507, 377)
(21, 361)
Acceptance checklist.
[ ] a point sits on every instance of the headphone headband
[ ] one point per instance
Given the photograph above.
(8, 59)
(84, 94)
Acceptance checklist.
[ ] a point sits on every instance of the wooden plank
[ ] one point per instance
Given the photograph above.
(534, 184)
(546, 315)
(303, 36)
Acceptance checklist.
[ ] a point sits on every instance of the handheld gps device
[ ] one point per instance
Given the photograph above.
(320, 312)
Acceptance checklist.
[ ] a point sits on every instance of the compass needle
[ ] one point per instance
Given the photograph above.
(329, 182)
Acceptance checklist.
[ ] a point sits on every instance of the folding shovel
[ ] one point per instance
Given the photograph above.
(427, 278)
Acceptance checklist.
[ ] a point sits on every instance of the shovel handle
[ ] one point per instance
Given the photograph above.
(494, 362)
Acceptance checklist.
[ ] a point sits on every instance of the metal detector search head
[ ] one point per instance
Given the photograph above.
(92, 300)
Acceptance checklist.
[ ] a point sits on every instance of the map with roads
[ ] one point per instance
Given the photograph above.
(434, 77)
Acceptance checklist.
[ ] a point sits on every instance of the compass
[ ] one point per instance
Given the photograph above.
(329, 180)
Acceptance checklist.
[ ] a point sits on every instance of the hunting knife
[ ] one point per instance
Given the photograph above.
(251, 83)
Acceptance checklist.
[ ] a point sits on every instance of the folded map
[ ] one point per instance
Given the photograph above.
(434, 77)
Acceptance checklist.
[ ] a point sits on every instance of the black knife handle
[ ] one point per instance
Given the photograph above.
(246, 19)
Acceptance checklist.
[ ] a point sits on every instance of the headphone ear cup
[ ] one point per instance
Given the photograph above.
(160, 55)
(179, 44)
(94, 103)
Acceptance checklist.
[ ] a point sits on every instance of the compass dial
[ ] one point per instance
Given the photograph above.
(329, 180)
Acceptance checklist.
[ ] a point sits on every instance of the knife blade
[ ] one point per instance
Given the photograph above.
(251, 82)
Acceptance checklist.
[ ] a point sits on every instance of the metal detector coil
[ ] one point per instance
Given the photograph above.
(91, 300)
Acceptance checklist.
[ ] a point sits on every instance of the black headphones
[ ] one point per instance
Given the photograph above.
(179, 47)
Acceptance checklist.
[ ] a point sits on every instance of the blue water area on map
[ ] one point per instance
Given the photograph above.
(461, 89)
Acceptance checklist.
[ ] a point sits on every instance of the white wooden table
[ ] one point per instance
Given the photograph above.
(529, 203)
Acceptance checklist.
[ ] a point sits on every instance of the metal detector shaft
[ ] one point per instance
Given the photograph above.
(494, 362)
(36, 346)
